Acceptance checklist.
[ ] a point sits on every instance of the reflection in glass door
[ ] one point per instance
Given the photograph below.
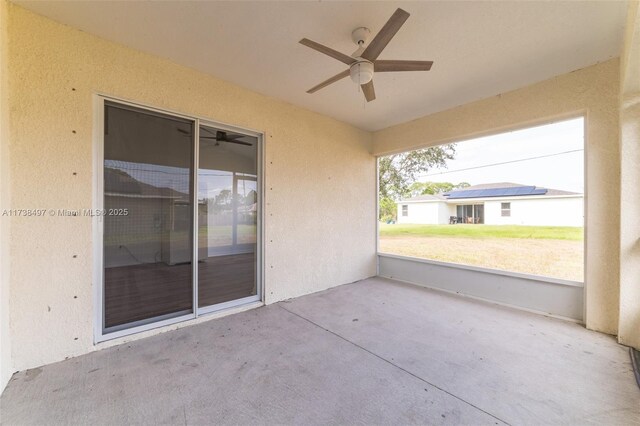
(227, 219)
(148, 225)
(171, 196)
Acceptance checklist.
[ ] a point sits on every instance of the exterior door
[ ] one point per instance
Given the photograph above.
(148, 221)
(173, 190)
(227, 233)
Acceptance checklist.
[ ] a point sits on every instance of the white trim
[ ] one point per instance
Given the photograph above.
(195, 255)
(97, 226)
(206, 310)
(260, 229)
(377, 192)
(97, 221)
(531, 277)
(585, 232)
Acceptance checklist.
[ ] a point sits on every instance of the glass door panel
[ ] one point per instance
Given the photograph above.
(247, 213)
(468, 214)
(148, 225)
(227, 216)
(478, 213)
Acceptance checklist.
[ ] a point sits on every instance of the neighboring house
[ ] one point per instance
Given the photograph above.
(147, 223)
(496, 204)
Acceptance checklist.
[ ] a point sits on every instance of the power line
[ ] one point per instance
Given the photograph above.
(504, 162)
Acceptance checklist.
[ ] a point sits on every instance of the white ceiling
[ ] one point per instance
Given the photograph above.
(480, 49)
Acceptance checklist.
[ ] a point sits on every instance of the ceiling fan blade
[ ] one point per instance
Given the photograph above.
(390, 66)
(385, 35)
(369, 92)
(228, 140)
(211, 132)
(325, 83)
(346, 59)
(237, 142)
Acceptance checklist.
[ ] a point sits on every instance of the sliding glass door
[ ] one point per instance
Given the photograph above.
(471, 213)
(148, 184)
(227, 229)
(174, 189)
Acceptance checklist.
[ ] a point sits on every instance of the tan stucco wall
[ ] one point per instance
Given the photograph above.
(5, 335)
(593, 91)
(319, 177)
(311, 161)
(629, 323)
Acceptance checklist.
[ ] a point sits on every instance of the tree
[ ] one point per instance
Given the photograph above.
(251, 198)
(398, 172)
(388, 209)
(223, 200)
(424, 188)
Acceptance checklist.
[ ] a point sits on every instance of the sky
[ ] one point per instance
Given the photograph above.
(557, 169)
(562, 171)
(210, 182)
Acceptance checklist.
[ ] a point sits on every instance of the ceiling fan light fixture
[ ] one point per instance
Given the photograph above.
(361, 72)
(364, 61)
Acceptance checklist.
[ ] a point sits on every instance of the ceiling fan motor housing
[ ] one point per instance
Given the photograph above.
(360, 35)
(362, 71)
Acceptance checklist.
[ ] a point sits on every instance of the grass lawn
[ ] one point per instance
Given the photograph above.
(538, 250)
(483, 231)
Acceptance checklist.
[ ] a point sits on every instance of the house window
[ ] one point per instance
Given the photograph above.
(505, 209)
(405, 210)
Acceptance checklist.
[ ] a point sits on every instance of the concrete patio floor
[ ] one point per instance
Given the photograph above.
(372, 352)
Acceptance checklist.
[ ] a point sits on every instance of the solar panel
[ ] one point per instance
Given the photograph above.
(496, 192)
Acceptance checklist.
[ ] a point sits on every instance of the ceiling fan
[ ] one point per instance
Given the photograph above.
(220, 136)
(364, 61)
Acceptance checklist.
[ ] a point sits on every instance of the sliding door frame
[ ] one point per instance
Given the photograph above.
(259, 296)
(98, 221)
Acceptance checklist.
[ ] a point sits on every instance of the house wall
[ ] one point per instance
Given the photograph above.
(629, 324)
(54, 72)
(560, 211)
(592, 91)
(6, 365)
(540, 212)
(445, 211)
(431, 213)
